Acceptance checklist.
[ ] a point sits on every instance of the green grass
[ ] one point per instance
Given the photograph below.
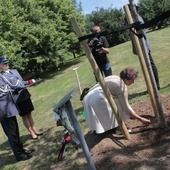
(56, 84)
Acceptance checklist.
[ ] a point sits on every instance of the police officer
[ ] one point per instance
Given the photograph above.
(9, 123)
(21, 96)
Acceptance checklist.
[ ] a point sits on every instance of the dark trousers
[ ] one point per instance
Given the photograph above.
(155, 71)
(10, 127)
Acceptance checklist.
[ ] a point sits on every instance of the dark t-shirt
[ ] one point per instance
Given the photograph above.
(101, 57)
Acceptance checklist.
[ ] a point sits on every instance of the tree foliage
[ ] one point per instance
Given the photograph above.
(108, 19)
(114, 18)
(38, 34)
(150, 9)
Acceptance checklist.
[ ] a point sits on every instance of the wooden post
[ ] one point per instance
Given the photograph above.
(146, 67)
(100, 78)
(141, 58)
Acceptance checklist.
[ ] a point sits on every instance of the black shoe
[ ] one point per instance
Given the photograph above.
(23, 157)
(39, 134)
(28, 152)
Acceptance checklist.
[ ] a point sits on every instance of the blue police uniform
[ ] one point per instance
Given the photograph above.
(9, 123)
(20, 93)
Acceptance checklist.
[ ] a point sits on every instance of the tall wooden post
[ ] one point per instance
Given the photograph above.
(100, 78)
(141, 58)
(146, 67)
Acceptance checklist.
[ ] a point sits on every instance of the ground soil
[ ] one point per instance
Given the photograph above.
(148, 148)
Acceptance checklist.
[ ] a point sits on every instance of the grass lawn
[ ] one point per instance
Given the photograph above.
(57, 84)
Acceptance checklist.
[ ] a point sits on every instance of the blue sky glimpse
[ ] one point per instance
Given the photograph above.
(91, 5)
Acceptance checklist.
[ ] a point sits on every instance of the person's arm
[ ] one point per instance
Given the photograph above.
(24, 82)
(105, 50)
(123, 98)
(105, 47)
(136, 116)
(90, 44)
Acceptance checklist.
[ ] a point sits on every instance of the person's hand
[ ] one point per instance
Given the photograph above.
(146, 121)
(31, 81)
(91, 44)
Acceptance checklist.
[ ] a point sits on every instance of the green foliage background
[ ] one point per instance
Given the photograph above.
(38, 34)
(152, 8)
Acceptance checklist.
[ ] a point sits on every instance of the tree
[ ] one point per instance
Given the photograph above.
(78, 6)
(37, 34)
(108, 19)
(149, 9)
(10, 30)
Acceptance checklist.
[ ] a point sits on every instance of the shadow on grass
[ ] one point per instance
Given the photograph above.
(6, 155)
(48, 145)
(46, 151)
(166, 86)
(50, 74)
(135, 95)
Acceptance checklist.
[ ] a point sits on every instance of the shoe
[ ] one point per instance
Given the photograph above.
(118, 132)
(23, 157)
(39, 134)
(34, 138)
(28, 152)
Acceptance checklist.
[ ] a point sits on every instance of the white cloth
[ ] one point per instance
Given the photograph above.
(99, 115)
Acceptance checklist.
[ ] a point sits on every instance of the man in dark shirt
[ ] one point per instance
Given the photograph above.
(100, 48)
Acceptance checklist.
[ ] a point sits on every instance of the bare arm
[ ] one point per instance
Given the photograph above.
(123, 98)
(106, 50)
(136, 116)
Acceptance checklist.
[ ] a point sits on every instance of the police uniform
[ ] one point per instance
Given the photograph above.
(20, 93)
(9, 123)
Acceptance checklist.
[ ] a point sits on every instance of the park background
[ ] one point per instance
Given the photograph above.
(59, 78)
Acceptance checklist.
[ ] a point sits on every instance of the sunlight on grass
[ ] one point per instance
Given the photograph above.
(57, 84)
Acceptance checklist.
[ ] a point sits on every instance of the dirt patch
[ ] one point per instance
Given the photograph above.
(148, 148)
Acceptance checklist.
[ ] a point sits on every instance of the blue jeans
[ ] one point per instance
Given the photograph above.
(106, 70)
